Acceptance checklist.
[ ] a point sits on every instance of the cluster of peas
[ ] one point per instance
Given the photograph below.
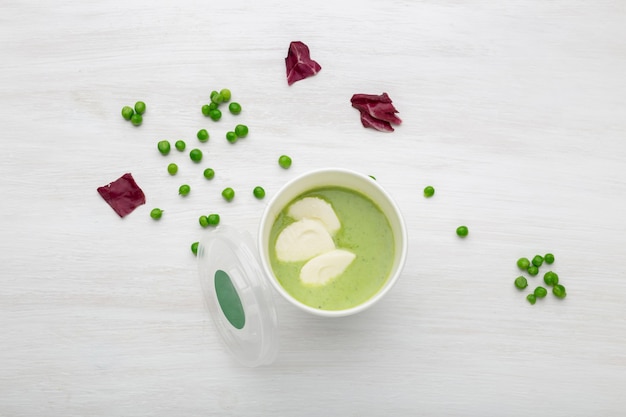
(135, 116)
(461, 231)
(550, 278)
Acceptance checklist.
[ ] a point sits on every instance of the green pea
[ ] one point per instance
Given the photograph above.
(215, 114)
(213, 93)
(521, 282)
(523, 264)
(195, 155)
(550, 278)
(234, 108)
(203, 135)
(164, 147)
(212, 106)
(548, 258)
(241, 131)
(258, 192)
(462, 231)
(228, 194)
(429, 191)
(209, 173)
(213, 219)
(284, 161)
(532, 299)
(172, 169)
(180, 145)
(537, 261)
(217, 98)
(559, 291)
(140, 107)
(184, 190)
(225, 92)
(194, 248)
(532, 270)
(206, 109)
(204, 221)
(136, 119)
(231, 137)
(156, 213)
(127, 112)
(540, 292)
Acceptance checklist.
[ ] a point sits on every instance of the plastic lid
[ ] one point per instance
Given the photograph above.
(238, 295)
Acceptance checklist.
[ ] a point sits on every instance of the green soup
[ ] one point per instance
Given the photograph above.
(365, 231)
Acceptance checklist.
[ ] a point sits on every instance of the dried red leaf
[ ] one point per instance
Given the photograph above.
(377, 111)
(123, 195)
(299, 63)
(368, 121)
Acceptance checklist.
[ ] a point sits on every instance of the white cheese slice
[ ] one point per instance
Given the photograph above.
(302, 240)
(315, 208)
(324, 267)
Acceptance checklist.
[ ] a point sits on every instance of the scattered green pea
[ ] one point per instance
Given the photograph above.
(532, 299)
(204, 221)
(206, 109)
(215, 114)
(548, 258)
(140, 107)
(231, 137)
(225, 92)
(429, 191)
(172, 169)
(217, 98)
(203, 135)
(228, 194)
(532, 270)
(213, 93)
(194, 248)
(540, 292)
(521, 282)
(284, 161)
(462, 231)
(209, 173)
(180, 145)
(559, 291)
(523, 264)
(258, 192)
(234, 108)
(184, 190)
(212, 106)
(164, 147)
(156, 213)
(127, 112)
(550, 278)
(241, 131)
(537, 261)
(213, 219)
(195, 155)
(136, 119)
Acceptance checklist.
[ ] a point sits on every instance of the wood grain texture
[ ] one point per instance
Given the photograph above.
(513, 111)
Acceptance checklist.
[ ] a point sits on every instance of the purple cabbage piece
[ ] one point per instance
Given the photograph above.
(123, 195)
(377, 111)
(299, 63)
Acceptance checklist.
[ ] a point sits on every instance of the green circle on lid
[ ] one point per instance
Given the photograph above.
(229, 300)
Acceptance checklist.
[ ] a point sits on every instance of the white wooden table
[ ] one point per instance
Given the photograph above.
(514, 111)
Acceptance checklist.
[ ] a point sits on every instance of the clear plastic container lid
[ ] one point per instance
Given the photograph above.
(238, 295)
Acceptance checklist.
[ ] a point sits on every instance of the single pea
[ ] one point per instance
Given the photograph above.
(212, 106)
(164, 147)
(429, 191)
(521, 282)
(172, 169)
(234, 108)
(194, 248)
(217, 98)
(284, 161)
(136, 119)
(548, 258)
(215, 114)
(228, 194)
(140, 107)
(206, 109)
(214, 219)
(532, 299)
(537, 260)
(209, 173)
(532, 270)
(156, 213)
(180, 145)
(540, 292)
(204, 221)
(462, 231)
(559, 291)
(241, 131)
(550, 278)
(127, 112)
(195, 155)
(523, 264)
(225, 92)
(184, 190)
(231, 137)
(213, 93)
(258, 192)
(203, 135)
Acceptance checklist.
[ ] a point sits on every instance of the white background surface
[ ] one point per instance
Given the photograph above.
(514, 111)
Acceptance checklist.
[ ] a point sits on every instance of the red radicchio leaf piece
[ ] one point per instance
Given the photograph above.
(299, 63)
(377, 111)
(123, 195)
